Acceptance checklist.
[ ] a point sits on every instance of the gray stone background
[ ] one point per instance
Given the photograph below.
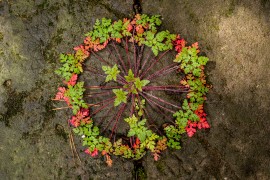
(234, 34)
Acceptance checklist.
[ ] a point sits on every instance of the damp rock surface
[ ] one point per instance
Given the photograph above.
(34, 141)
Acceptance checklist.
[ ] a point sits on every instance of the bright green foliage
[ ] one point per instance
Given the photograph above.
(161, 41)
(105, 29)
(140, 106)
(117, 27)
(187, 113)
(140, 83)
(190, 62)
(111, 72)
(121, 96)
(198, 91)
(130, 77)
(134, 84)
(182, 116)
(152, 21)
(173, 136)
(122, 150)
(75, 96)
(138, 129)
(92, 139)
(71, 64)
(101, 30)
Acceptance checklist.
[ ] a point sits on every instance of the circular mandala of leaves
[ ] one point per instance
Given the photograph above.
(133, 89)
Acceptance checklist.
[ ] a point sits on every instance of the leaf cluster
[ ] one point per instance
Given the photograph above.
(71, 65)
(145, 135)
(134, 84)
(149, 21)
(92, 138)
(104, 29)
(160, 41)
(190, 62)
(198, 90)
(111, 72)
(173, 136)
(75, 96)
(121, 96)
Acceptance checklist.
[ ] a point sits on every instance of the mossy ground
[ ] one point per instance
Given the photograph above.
(233, 34)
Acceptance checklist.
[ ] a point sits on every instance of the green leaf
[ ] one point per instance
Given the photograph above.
(121, 96)
(111, 72)
(141, 83)
(130, 76)
(155, 50)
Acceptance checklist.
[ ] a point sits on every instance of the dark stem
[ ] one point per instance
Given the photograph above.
(151, 120)
(120, 57)
(127, 52)
(151, 101)
(162, 100)
(106, 100)
(172, 88)
(161, 112)
(139, 59)
(152, 64)
(135, 54)
(146, 60)
(162, 71)
(98, 94)
(100, 58)
(119, 114)
(105, 116)
(114, 59)
(102, 107)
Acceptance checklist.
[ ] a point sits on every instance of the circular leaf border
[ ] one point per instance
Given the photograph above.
(142, 29)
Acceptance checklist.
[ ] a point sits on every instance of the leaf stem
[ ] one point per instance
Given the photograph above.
(102, 107)
(149, 100)
(60, 108)
(162, 100)
(119, 114)
(100, 58)
(152, 64)
(120, 57)
(162, 71)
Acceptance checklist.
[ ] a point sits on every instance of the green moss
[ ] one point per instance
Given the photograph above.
(160, 166)
(231, 9)
(60, 131)
(1, 36)
(140, 174)
(14, 105)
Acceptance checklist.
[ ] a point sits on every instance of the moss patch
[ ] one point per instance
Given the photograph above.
(14, 105)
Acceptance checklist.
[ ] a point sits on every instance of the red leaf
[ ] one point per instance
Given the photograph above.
(191, 128)
(73, 80)
(136, 144)
(83, 49)
(109, 160)
(84, 112)
(179, 43)
(156, 156)
(190, 131)
(60, 93)
(87, 151)
(129, 27)
(94, 153)
(139, 29)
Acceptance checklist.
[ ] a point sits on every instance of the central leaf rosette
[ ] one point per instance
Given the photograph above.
(131, 84)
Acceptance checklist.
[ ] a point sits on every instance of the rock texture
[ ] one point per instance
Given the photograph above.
(34, 142)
